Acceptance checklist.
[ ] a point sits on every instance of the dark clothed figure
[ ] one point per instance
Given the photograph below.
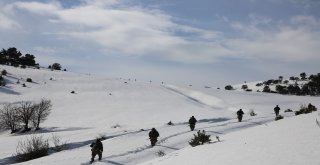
(96, 149)
(277, 110)
(153, 136)
(192, 122)
(240, 115)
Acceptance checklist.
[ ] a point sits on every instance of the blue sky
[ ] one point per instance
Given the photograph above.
(203, 42)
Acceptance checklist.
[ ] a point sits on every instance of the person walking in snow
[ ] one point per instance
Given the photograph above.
(153, 136)
(192, 122)
(96, 149)
(276, 110)
(240, 114)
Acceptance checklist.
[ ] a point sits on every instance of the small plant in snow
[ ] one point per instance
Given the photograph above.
(29, 80)
(288, 110)
(32, 148)
(252, 113)
(306, 109)
(58, 145)
(218, 138)
(116, 126)
(170, 123)
(4, 72)
(200, 139)
(279, 117)
(228, 87)
(161, 153)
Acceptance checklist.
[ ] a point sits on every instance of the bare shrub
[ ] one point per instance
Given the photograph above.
(252, 113)
(279, 117)
(25, 112)
(41, 112)
(306, 109)
(58, 144)
(160, 153)
(29, 80)
(32, 148)
(9, 118)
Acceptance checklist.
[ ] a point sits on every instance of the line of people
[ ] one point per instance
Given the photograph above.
(97, 147)
(240, 113)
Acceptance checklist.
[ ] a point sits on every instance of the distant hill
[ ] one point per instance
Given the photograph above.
(300, 86)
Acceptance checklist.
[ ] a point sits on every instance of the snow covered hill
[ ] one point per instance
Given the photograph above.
(293, 141)
(125, 110)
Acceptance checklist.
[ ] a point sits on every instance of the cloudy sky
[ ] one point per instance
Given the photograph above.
(200, 42)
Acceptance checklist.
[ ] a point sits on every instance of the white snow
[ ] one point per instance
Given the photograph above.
(125, 112)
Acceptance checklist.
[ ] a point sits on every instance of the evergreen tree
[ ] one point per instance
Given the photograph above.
(266, 89)
(56, 66)
(303, 75)
(200, 139)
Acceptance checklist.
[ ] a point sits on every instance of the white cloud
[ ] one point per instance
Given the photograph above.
(296, 40)
(132, 30)
(137, 31)
(6, 23)
(38, 7)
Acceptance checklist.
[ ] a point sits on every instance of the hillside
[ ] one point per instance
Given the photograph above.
(293, 141)
(124, 111)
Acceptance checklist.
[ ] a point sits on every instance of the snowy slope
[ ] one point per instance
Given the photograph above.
(124, 112)
(293, 141)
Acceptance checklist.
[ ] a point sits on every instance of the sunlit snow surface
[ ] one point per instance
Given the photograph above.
(125, 112)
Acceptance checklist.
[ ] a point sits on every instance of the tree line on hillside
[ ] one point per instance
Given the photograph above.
(309, 86)
(13, 57)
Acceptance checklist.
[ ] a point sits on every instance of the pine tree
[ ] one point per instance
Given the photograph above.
(200, 139)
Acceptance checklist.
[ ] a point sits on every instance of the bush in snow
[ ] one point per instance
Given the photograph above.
(2, 81)
(312, 107)
(252, 113)
(29, 80)
(161, 153)
(56, 66)
(266, 89)
(32, 148)
(282, 89)
(306, 109)
(228, 87)
(24, 85)
(288, 110)
(200, 139)
(58, 145)
(244, 87)
(279, 117)
(170, 123)
(116, 126)
(4, 72)
(259, 84)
